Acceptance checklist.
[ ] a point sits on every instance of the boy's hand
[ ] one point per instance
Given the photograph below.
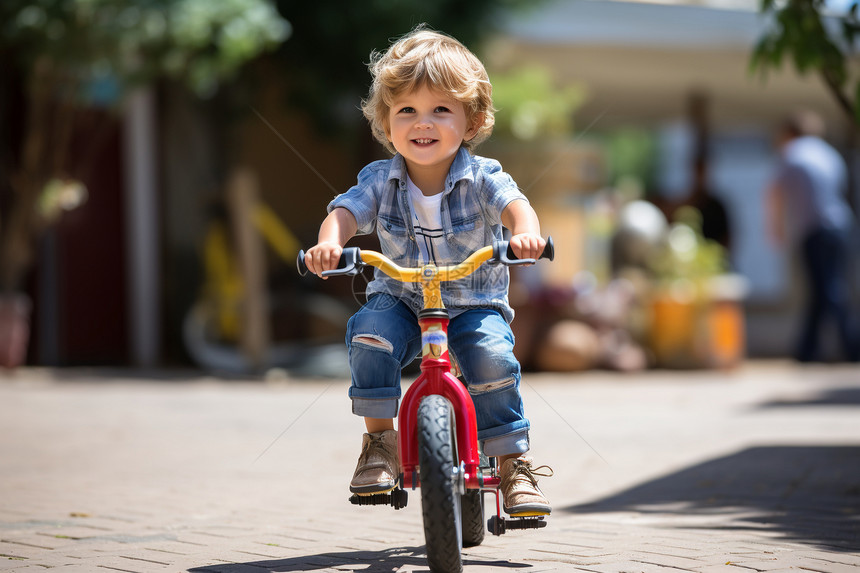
(323, 257)
(527, 245)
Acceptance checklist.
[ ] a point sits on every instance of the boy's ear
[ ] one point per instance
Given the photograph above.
(477, 123)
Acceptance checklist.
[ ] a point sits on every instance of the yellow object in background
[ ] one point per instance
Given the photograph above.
(223, 288)
(276, 233)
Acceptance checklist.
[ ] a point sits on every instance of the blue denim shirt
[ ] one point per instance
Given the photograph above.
(476, 192)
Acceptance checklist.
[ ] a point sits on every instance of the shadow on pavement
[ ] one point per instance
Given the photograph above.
(830, 397)
(385, 561)
(808, 494)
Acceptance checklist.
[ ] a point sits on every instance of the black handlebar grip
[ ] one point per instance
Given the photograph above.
(349, 264)
(300, 264)
(548, 250)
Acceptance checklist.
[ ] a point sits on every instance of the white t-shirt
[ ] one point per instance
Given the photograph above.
(427, 220)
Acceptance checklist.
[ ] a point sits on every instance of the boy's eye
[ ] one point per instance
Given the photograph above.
(442, 109)
(407, 110)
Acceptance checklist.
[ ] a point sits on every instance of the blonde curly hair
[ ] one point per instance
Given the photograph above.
(421, 58)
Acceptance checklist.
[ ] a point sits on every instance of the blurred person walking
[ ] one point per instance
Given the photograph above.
(808, 197)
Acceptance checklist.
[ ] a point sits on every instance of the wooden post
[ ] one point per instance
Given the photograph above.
(141, 206)
(255, 336)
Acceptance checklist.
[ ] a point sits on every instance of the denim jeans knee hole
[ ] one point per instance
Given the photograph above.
(476, 389)
(373, 341)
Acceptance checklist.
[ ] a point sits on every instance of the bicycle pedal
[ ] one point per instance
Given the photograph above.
(396, 498)
(498, 525)
(526, 522)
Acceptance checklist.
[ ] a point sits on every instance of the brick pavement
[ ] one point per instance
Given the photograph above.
(752, 470)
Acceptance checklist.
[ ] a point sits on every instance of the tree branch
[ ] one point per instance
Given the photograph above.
(842, 99)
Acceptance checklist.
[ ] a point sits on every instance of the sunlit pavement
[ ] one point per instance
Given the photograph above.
(756, 469)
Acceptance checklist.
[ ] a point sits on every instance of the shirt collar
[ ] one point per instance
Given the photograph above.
(461, 169)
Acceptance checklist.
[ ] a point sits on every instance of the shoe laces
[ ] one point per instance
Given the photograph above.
(524, 470)
(377, 443)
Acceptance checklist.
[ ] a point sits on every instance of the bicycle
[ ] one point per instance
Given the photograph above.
(212, 329)
(438, 435)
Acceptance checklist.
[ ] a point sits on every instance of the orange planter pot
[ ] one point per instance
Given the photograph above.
(706, 332)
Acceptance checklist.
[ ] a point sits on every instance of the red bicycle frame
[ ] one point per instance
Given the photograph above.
(436, 378)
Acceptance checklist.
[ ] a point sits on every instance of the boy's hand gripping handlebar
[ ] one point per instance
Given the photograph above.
(353, 260)
(504, 253)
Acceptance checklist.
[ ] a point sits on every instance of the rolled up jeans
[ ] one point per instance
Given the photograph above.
(384, 336)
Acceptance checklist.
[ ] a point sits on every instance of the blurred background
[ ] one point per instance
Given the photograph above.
(161, 163)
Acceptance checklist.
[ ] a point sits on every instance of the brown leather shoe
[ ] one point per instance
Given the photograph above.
(520, 491)
(378, 465)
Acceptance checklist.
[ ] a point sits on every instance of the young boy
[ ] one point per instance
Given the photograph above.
(429, 104)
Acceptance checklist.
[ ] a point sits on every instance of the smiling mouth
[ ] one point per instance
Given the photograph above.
(423, 141)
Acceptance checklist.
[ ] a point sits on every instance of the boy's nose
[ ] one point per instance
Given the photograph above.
(424, 122)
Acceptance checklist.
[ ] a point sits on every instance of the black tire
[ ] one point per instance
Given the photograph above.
(440, 501)
(473, 518)
(473, 510)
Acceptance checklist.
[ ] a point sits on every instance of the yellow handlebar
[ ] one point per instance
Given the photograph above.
(353, 259)
(427, 273)
(431, 276)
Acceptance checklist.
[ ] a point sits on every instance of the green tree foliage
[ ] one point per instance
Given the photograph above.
(800, 31)
(131, 41)
(533, 105)
(62, 57)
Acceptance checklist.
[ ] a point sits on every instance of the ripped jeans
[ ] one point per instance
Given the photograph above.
(383, 336)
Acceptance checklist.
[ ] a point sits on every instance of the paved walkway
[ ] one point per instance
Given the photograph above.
(752, 470)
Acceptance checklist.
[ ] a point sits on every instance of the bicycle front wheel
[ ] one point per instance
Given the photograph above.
(440, 497)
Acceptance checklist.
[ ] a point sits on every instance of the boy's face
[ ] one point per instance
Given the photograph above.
(427, 128)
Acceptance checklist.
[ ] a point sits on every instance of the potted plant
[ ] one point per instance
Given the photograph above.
(696, 306)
